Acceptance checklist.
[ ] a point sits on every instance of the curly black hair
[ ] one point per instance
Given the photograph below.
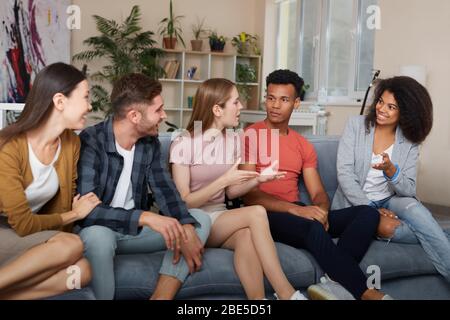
(286, 77)
(414, 103)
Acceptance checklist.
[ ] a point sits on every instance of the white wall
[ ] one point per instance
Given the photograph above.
(228, 17)
(416, 32)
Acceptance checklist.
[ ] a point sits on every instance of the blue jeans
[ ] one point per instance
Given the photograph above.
(418, 226)
(101, 244)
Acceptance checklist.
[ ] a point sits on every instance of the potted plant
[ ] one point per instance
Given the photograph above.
(170, 29)
(198, 31)
(246, 43)
(245, 74)
(216, 42)
(125, 48)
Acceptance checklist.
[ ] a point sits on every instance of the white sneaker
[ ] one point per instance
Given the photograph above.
(328, 289)
(297, 295)
(387, 297)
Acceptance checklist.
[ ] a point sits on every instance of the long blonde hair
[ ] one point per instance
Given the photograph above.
(211, 92)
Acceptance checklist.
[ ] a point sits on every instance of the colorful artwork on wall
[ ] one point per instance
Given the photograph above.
(33, 34)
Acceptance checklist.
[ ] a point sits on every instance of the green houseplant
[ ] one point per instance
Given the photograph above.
(170, 29)
(246, 43)
(216, 42)
(125, 48)
(245, 74)
(198, 30)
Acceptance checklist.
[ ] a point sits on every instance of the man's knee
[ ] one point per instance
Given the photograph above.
(387, 226)
(98, 238)
(202, 218)
(369, 214)
(315, 228)
(205, 223)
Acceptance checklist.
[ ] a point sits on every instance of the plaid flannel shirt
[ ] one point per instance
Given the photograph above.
(99, 169)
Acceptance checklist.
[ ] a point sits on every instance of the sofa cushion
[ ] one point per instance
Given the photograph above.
(397, 260)
(326, 148)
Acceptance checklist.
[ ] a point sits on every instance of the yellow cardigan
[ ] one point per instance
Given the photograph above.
(16, 176)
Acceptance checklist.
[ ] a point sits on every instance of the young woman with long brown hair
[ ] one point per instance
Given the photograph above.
(38, 156)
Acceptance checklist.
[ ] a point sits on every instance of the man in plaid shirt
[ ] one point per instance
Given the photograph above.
(120, 159)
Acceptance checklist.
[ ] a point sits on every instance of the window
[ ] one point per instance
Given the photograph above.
(329, 44)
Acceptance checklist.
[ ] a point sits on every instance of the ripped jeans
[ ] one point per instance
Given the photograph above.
(419, 226)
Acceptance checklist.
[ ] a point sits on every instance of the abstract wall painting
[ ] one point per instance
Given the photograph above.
(33, 34)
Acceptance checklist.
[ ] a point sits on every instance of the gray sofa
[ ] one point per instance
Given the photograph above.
(406, 271)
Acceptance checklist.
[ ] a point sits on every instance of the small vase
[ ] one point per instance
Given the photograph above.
(217, 46)
(243, 48)
(169, 43)
(197, 45)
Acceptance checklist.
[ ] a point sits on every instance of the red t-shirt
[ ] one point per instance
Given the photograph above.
(294, 154)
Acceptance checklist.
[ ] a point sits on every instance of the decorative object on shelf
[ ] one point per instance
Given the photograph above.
(303, 91)
(245, 74)
(170, 29)
(199, 32)
(246, 44)
(190, 100)
(191, 72)
(217, 43)
(171, 69)
(172, 127)
(126, 49)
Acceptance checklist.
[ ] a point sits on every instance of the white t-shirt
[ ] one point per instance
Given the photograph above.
(376, 186)
(45, 181)
(123, 197)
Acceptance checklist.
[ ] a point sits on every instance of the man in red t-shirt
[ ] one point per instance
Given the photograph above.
(291, 222)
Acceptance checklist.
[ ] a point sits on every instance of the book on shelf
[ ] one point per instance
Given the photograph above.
(171, 68)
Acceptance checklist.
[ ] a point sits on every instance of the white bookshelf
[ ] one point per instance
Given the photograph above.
(209, 65)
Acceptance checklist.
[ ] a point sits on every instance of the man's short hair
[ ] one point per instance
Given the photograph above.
(132, 89)
(286, 77)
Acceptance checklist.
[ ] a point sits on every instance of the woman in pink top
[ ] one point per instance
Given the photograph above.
(205, 168)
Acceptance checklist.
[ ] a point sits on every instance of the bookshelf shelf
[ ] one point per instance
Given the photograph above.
(193, 81)
(170, 80)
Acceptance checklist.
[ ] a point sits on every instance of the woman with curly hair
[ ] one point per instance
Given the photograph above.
(377, 165)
